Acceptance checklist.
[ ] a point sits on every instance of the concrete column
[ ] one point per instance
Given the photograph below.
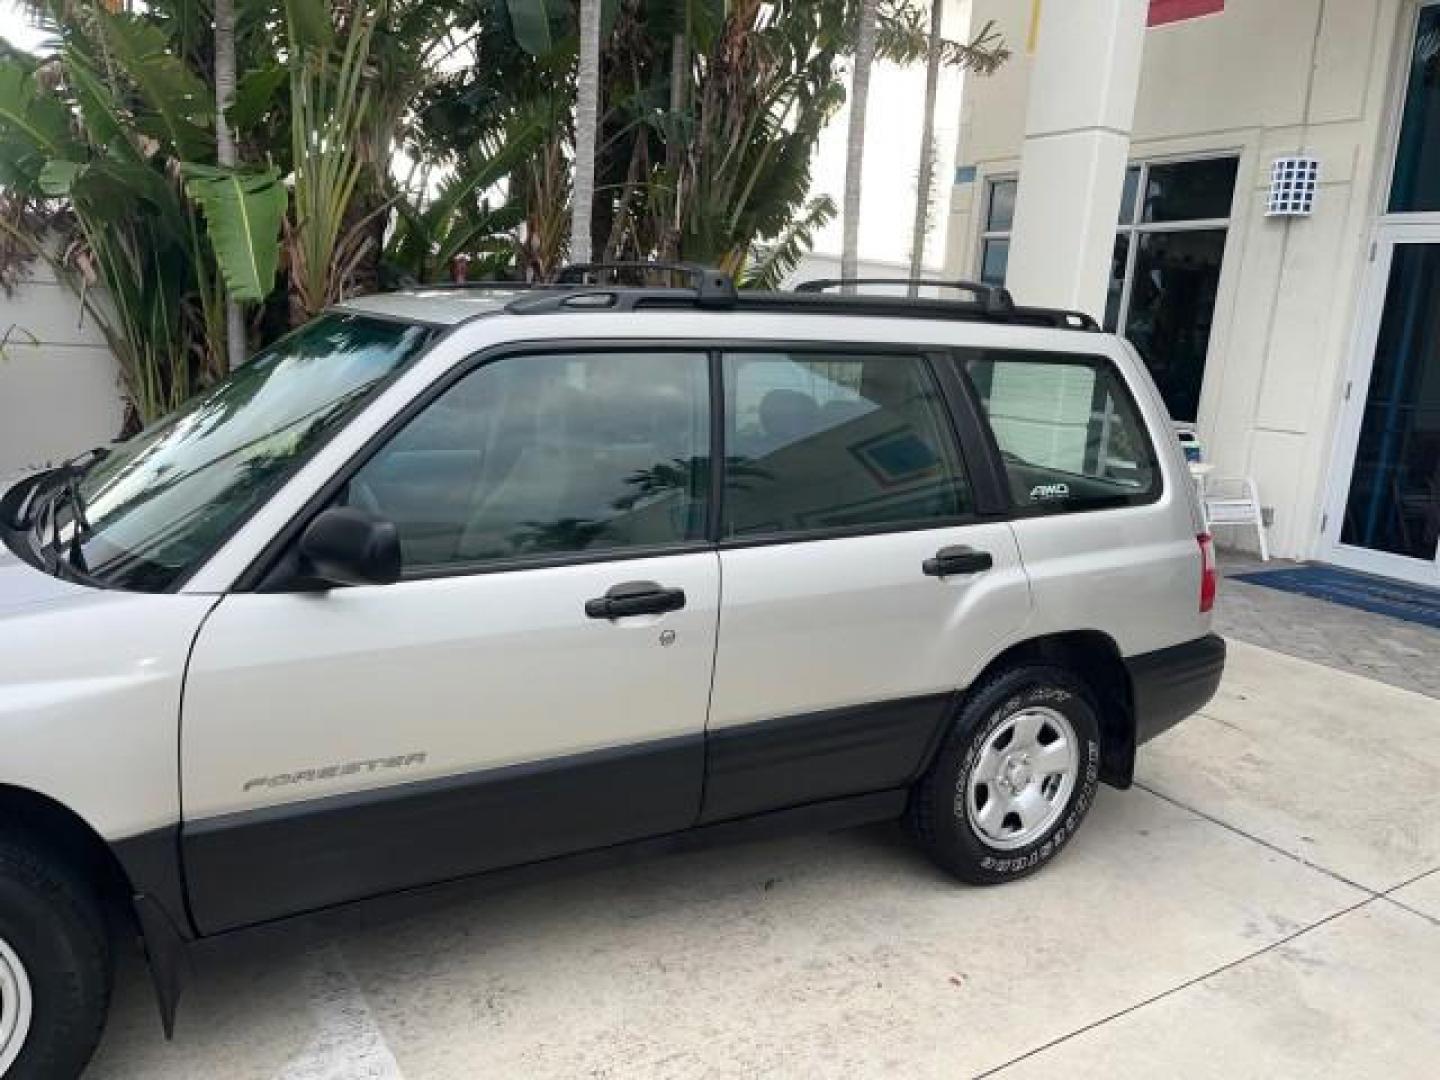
(1083, 84)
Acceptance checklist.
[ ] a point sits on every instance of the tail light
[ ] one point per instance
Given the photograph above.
(1209, 574)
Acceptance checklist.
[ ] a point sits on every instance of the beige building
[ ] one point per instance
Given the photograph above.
(1122, 163)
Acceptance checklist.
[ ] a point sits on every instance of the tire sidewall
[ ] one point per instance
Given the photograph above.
(64, 991)
(1012, 693)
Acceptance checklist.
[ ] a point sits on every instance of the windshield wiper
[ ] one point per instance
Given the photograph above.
(47, 515)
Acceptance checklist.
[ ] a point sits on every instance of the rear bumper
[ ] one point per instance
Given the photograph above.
(1170, 684)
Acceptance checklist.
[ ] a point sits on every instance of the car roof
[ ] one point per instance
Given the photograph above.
(437, 306)
(442, 305)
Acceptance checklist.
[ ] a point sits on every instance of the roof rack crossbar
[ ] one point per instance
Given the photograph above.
(713, 288)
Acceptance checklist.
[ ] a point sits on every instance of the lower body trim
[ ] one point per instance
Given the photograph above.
(1170, 684)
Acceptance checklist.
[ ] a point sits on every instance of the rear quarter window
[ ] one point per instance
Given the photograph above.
(1069, 432)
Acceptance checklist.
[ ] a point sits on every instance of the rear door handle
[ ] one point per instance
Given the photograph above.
(958, 560)
(635, 598)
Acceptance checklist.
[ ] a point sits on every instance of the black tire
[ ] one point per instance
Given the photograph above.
(937, 814)
(52, 920)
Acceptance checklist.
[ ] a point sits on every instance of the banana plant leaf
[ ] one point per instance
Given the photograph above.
(243, 212)
(175, 104)
(34, 127)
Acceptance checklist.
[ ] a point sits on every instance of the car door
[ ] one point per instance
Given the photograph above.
(493, 707)
(861, 587)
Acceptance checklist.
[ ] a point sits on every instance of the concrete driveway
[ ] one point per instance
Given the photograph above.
(1266, 902)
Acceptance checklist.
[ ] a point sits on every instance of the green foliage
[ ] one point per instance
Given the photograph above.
(243, 211)
(169, 101)
(382, 139)
(329, 102)
(530, 23)
(459, 220)
(34, 126)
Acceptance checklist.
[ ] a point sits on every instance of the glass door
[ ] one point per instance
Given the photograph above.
(1385, 516)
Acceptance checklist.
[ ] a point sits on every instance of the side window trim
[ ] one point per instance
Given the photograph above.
(979, 451)
(263, 567)
(1098, 362)
(932, 363)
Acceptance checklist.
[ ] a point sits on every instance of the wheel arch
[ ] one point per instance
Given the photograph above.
(60, 829)
(1093, 657)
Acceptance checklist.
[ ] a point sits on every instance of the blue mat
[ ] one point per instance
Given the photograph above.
(1413, 603)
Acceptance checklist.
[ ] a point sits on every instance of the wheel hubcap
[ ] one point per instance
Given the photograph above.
(1023, 778)
(15, 1005)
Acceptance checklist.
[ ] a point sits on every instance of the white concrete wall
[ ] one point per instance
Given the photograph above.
(59, 385)
(1241, 82)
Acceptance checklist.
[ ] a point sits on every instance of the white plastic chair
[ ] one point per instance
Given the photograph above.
(1234, 501)
(1225, 501)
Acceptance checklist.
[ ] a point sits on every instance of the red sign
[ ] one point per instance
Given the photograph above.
(1169, 11)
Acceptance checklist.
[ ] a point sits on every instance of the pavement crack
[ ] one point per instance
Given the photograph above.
(1431, 919)
(1292, 855)
(1421, 876)
(1279, 943)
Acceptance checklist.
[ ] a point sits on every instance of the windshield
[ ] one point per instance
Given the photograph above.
(160, 503)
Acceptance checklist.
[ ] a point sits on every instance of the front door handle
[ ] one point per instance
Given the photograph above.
(957, 560)
(635, 598)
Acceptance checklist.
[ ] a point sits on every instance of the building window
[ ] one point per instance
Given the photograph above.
(1416, 186)
(1165, 272)
(995, 239)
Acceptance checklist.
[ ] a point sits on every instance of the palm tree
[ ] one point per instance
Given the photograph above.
(225, 154)
(855, 147)
(927, 146)
(587, 107)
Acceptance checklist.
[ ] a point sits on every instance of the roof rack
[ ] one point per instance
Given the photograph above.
(712, 286)
(579, 288)
(996, 300)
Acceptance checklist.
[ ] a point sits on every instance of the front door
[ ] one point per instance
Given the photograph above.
(1384, 514)
(481, 712)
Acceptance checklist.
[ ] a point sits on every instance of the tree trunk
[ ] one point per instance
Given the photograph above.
(587, 108)
(855, 147)
(226, 154)
(927, 149)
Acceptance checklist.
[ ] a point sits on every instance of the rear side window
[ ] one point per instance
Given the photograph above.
(822, 442)
(1069, 432)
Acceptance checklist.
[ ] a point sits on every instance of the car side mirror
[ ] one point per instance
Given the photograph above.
(348, 546)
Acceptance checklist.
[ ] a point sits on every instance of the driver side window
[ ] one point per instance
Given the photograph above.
(534, 456)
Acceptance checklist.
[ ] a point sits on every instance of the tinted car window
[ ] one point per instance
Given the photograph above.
(544, 455)
(824, 442)
(1068, 430)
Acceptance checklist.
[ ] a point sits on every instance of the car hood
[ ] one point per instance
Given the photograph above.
(22, 586)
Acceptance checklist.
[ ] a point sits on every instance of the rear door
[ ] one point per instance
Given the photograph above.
(862, 586)
(1107, 537)
(491, 708)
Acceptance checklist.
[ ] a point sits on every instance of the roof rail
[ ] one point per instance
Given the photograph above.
(576, 288)
(713, 288)
(996, 300)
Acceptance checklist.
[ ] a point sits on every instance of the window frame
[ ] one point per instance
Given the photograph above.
(282, 544)
(988, 235)
(1136, 228)
(1016, 511)
(1397, 103)
(1133, 228)
(973, 445)
(962, 425)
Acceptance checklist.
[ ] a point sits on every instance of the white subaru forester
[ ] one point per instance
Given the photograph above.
(454, 581)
